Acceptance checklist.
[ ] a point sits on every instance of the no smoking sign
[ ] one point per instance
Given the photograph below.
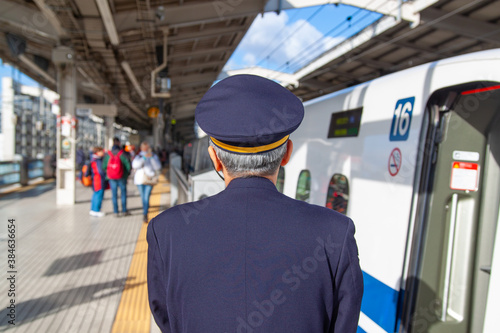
(395, 160)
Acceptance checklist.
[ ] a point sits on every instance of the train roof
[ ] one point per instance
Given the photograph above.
(493, 54)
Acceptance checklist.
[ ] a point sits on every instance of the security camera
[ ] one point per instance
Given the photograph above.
(160, 13)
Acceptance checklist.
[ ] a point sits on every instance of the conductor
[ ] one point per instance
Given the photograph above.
(251, 259)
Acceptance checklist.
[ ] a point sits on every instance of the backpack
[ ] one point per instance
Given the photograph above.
(86, 176)
(114, 169)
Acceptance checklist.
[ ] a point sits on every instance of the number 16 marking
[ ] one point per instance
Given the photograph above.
(400, 128)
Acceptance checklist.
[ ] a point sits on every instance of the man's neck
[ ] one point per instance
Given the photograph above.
(227, 178)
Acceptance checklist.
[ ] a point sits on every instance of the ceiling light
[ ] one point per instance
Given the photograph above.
(109, 22)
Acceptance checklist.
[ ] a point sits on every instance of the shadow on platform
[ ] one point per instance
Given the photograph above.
(30, 310)
(63, 265)
(33, 191)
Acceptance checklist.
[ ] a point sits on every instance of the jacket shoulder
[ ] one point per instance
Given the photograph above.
(124, 159)
(181, 215)
(317, 214)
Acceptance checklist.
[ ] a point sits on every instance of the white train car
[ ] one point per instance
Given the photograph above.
(192, 176)
(414, 159)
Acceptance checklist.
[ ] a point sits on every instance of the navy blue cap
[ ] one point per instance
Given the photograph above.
(249, 114)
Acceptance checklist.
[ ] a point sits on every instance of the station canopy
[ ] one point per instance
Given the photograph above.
(116, 46)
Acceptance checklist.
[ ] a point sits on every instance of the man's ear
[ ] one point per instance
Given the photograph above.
(288, 154)
(215, 160)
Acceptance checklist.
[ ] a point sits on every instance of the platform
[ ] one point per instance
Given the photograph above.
(74, 272)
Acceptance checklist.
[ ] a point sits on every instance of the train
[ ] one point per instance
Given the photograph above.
(413, 158)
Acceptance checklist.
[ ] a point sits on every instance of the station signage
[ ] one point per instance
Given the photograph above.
(83, 112)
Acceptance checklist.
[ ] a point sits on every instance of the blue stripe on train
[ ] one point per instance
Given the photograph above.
(379, 303)
(360, 330)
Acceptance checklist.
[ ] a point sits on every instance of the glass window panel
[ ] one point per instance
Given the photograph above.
(304, 186)
(338, 193)
(280, 184)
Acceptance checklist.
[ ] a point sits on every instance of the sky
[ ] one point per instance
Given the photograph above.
(9, 71)
(289, 41)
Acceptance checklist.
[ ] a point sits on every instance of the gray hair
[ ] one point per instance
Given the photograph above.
(248, 165)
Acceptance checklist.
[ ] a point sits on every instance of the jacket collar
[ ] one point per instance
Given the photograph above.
(115, 149)
(256, 182)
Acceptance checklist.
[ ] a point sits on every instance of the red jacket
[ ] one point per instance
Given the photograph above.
(98, 175)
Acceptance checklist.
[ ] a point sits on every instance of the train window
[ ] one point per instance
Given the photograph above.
(203, 162)
(280, 184)
(303, 186)
(194, 157)
(338, 193)
(345, 123)
(186, 157)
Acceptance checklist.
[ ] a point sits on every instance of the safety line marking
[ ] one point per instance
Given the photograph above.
(133, 315)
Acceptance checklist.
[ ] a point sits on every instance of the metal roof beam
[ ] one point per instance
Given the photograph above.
(107, 19)
(194, 14)
(315, 84)
(376, 64)
(206, 33)
(199, 66)
(347, 46)
(21, 18)
(51, 17)
(462, 25)
(426, 50)
(406, 12)
(182, 92)
(137, 113)
(186, 37)
(7, 57)
(192, 54)
(199, 78)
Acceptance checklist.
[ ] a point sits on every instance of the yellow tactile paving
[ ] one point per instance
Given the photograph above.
(155, 201)
(133, 315)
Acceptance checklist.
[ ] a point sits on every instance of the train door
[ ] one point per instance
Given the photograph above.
(458, 208)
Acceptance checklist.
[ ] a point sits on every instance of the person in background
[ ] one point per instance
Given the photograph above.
(129, 151)
(48, 168)
(132, 151)
(117, 167)
(53, 163)
(98, 182)
(163, 157)
(146, 164)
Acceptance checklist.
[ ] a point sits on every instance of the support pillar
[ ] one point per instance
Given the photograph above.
(9, 119)
(66, 134)
(156, 135)
(159, 128)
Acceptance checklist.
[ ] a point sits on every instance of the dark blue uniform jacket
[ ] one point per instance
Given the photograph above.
(251, 259)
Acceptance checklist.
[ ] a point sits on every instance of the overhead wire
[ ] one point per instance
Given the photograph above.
(304, 60)
(316, 12)
(365, 16)
(275, 37)
(316, 47)
(420, 27)
(316, 42)
(410, 32)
